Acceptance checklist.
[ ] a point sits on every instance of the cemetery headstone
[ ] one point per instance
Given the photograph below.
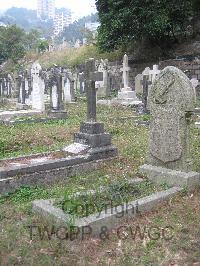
(38, 88)
(171, 102)
(56, 94)
(103, 87)
(92, 136)
(138, 84)
(21, 92)
(127, 96)
(67, 91)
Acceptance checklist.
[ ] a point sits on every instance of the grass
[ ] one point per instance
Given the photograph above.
(113, 195)
(73, 56)
(181, 213)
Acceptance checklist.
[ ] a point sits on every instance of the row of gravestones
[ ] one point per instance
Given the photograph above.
(34, 87)
(6, 86)
(60, 83)
(143, 83)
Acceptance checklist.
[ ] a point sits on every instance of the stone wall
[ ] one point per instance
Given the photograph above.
(189, 65)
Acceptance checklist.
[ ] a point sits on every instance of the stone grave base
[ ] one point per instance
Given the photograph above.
(57, 114)
(123, 95)
(20, 106)
(116, 101)
(93, 135)
(125, 98)
(162, 175)
(197, 110)
(197, 125)
(108, 218)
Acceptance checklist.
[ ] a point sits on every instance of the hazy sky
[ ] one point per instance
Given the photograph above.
(79, 8)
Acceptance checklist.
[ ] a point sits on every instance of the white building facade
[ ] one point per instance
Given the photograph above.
(46, 9)
(62, 19)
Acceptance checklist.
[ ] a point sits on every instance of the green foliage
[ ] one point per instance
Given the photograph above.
(43, 46)
(159, 22)
(11, 43)
(15, 42)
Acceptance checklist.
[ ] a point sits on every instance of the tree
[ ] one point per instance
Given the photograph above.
(159, 22)
(31, 40)
(43, 46)
(11, 43)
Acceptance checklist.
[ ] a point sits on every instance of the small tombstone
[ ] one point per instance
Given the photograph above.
(67, 91)
(22, 92)
(56, 94)
(103, 87)
(171, 102)
(38, 89)
(138, 84)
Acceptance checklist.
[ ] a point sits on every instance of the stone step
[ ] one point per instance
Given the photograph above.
(93, 140)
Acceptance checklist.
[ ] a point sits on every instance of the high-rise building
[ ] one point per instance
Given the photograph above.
(62, 19)
(46, 9)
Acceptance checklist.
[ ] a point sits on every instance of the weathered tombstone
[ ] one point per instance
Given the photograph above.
(145, 84)
(103, 86)
(21, 92)
(92, 139)
(171, 102)
(38, 88)
(138, 84)
(56, 94)
(67, 91)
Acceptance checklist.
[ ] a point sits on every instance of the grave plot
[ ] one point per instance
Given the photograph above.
(90, 145)
(105, 208)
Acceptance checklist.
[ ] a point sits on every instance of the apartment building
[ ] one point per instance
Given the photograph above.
(62, 19)
(46, 9)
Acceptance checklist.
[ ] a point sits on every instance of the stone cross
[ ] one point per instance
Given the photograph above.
(153, 73)
(90, 77)
(125, 69)
(171, 102)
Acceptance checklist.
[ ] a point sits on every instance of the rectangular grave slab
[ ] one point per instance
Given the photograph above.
(109, 219)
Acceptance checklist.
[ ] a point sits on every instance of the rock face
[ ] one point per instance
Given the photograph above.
(171, 102)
